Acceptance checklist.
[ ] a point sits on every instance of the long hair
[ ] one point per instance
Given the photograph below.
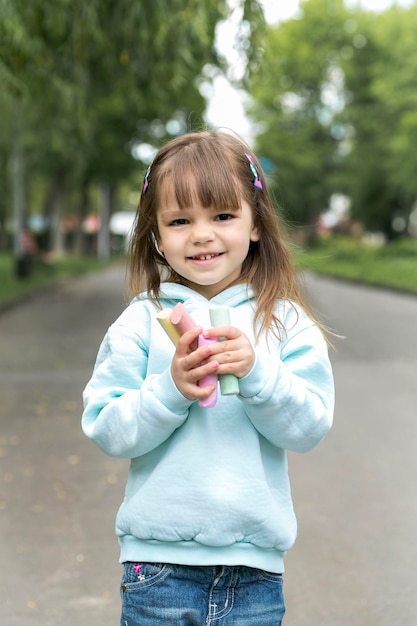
(215, 167)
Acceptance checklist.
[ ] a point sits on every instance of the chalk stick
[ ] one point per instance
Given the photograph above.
(164, 318)
(229, 384)
(183, 322)
(210, 379)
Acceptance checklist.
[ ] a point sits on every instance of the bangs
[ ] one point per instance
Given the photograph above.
(199, 174)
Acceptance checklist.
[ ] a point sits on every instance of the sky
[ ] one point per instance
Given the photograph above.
(275, 10)
(226, 105)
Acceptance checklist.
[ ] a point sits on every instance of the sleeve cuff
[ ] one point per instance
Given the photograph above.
(168, 394)
(254, 382)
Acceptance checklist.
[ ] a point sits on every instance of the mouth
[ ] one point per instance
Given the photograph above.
(205, 257)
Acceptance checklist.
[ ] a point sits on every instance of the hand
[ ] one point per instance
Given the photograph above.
(235, 355)
(188, 366)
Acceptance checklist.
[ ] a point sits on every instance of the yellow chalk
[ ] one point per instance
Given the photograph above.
(164, 318)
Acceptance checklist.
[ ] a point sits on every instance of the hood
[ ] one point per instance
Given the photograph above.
(171, 293)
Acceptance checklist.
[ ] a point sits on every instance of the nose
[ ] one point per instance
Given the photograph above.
(202, 231)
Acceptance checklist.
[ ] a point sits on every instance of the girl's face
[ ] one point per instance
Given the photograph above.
(206, 246)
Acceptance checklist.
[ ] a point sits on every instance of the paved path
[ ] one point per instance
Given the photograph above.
(355, 495)
(58, 493)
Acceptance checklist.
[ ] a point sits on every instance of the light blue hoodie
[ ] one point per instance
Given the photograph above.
(208, 486)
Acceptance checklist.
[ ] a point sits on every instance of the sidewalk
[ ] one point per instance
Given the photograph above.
(58, 494)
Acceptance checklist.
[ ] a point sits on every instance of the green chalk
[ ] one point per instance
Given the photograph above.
(229, 384)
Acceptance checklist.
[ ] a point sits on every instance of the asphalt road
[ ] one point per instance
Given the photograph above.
(354, 563)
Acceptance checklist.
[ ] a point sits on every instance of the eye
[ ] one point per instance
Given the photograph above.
(178, 222)
(224, 217)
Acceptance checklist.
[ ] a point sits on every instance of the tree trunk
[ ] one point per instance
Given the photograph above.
(54, 208)
(18, 194)
(103, 243)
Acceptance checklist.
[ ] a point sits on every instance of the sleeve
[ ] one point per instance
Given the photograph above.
(127, 413)
(289, 395)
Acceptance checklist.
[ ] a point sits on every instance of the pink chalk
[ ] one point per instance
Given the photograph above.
(183, 322)
(210, 379)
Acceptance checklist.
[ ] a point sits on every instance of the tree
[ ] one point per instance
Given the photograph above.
(297, 93)
(336, 100)
(17, 51)
(377, 86)
(394, 86)
(106, 75)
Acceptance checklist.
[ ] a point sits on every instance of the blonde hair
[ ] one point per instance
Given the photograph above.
(215, 167)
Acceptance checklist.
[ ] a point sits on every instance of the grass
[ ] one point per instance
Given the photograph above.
(393, 265)
(42, 275)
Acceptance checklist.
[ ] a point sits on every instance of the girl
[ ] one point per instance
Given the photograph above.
(207, 515)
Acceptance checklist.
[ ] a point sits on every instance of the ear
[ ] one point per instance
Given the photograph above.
(255, 235)
(159, 248)
(157, 244)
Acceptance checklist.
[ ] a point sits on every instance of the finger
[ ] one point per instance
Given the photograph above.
(200, 356)
(222, 332)
(202, 370)
(227, 350)
(200, 382)
(188, 341)
(201, 393)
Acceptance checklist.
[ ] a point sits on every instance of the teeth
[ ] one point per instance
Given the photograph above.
(205, 257)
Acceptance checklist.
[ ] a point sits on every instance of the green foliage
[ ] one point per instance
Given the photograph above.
(393, 265)
(370, 175)
(335, 99)
(43, 275)
(291, 98)
(397, 90)
(93, 78)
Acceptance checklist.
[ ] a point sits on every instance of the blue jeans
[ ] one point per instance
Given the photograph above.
(178, 595)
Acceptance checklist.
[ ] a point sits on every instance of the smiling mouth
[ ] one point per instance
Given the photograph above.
(205, 257)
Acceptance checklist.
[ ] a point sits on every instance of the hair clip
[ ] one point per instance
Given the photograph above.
(146, 182)
(256, 181)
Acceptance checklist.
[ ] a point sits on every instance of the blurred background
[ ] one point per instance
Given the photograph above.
(325, 91)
